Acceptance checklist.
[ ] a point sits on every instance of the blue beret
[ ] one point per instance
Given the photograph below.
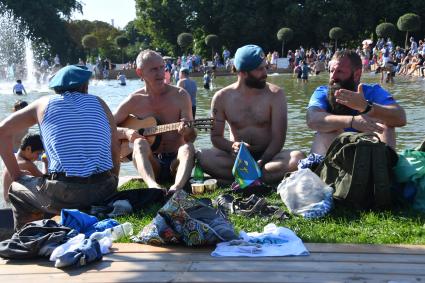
(70, 77)
(248, 57)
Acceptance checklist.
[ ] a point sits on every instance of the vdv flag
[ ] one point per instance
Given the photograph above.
(245, 169)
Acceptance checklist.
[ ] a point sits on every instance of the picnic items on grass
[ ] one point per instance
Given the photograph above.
(305, 194)
(185, 219)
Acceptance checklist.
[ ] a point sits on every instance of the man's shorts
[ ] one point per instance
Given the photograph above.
(165, 160)
(31, 197)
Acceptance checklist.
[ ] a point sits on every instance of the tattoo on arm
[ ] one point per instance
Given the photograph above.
(215, 111)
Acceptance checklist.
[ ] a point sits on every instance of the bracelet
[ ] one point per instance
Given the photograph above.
(352, 119)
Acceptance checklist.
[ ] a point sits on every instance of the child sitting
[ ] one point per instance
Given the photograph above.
(30, 151)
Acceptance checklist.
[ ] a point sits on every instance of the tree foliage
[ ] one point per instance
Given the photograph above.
(408, 22)
(336, 33)
(284, 35)
(89, 41)
(185, 40)
(386, 30)
(121, 41)
(240, 22)
(211, 40)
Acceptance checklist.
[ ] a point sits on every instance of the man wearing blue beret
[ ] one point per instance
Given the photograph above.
(256, 113)
(80, 139)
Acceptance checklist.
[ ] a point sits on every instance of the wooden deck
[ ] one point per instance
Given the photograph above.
(140, 263)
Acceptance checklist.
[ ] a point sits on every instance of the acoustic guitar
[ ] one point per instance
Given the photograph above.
(149, 128)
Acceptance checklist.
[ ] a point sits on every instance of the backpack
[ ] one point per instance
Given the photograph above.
(359, 167)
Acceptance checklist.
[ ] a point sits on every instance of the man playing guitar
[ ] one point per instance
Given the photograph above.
(175, 154)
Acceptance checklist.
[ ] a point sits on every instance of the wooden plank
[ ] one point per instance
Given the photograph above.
(254, 265)
(314, 257)
(141, 248)
(366, 248)
(109, 266)
(269, 277)
(312, 247)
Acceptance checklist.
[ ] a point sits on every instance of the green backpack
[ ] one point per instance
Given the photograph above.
(359, 167)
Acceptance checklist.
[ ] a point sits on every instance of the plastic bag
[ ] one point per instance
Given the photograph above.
(304, 193)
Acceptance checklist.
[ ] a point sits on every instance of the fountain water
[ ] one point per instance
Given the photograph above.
(16, 54)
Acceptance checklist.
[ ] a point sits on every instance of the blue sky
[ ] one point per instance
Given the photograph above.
(122, 11)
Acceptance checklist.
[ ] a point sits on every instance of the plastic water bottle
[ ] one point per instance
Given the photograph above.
(114, 233)
(198, 174)
(122, 230)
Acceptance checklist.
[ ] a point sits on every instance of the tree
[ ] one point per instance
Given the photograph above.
(184, 40)
(89, 41)
(336, 33)
(122, 42)
(386, 30)
(409, 22)
(285, 35)
(211, 41)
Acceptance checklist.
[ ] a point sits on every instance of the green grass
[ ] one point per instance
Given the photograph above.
(341, 226)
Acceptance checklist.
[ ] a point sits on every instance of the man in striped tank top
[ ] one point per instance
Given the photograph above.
(80, 139)
(173, 160)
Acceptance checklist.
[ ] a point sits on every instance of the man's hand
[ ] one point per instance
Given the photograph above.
(236, 146)
(184, 126)
(364, 123)
(354, 100)
(132, 135)
(260, 163)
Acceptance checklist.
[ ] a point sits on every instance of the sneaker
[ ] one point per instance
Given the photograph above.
(121, 207)
(224, 203)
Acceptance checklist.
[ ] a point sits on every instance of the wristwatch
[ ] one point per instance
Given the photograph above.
(368, 107)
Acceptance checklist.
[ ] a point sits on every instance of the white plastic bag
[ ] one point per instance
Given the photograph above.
(304, 193)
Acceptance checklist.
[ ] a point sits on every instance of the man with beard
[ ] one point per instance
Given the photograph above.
(347, 105)
(256, 113)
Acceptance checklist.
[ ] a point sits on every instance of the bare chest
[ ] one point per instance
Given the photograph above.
(242, 113)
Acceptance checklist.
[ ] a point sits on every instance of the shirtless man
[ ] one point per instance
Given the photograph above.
(168, 104)
(256, 112)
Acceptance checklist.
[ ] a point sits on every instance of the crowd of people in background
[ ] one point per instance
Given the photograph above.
(381, 57)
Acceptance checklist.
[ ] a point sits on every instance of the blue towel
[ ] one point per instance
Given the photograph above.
(75, 219)
(85, 223)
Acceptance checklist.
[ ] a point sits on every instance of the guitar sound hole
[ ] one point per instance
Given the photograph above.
(141, 131)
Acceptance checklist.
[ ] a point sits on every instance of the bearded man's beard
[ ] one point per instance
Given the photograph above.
(254, 82)
(334, 85)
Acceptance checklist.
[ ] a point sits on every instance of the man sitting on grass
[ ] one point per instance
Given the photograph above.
(30, 150)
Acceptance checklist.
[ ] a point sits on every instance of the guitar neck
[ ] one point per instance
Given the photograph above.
(155, 130)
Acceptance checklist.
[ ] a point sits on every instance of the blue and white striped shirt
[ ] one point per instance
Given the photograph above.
(76, 135)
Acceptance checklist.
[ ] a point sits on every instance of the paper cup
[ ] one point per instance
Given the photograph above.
(197, 188)
(210, 185)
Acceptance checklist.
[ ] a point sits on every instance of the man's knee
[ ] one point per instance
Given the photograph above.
(294, 157)
(186, 151)
(141, 147)
(322, 141)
